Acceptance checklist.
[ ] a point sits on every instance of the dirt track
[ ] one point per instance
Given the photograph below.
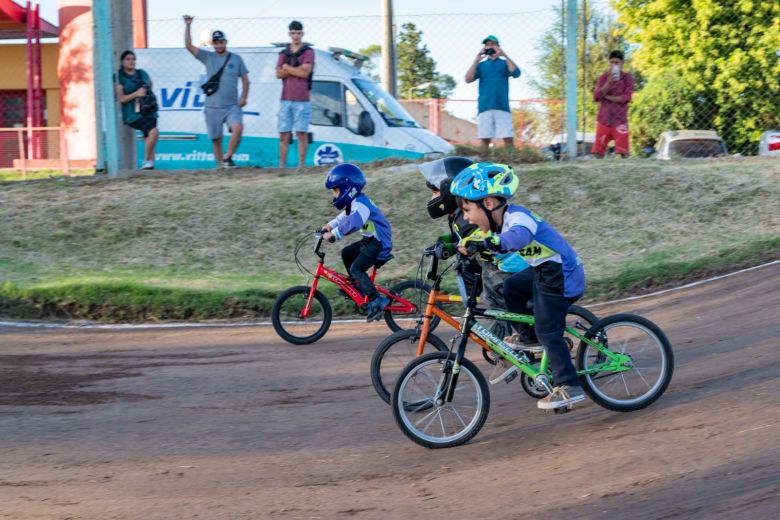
(233, 423)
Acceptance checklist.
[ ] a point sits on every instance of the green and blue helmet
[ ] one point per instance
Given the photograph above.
(485, 179)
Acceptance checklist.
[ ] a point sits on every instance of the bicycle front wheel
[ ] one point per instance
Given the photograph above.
(649, 356)
(415, 292)
(421, 410)
(288, 322)
(393, 354)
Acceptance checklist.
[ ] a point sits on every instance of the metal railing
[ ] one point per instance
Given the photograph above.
(31, 148)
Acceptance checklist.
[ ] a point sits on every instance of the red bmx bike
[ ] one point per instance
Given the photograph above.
(302, 314)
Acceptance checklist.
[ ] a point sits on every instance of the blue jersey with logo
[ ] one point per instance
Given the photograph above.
(363, 214)
(558, 268)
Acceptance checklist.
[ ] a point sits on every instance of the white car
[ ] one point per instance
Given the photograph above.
(770, 144)
(687, 144)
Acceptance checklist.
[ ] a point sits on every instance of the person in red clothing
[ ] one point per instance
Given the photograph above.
(295, 68)
(613, 91)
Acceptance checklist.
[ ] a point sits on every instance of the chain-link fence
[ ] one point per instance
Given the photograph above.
(705, 80)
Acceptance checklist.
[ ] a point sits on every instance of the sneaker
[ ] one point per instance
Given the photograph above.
(524, 342)
(147, 165)
(502, 371)
(376, 307)
(228, 163)
(563, 396)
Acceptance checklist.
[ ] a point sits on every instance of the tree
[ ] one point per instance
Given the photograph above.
(373, 51)
(416, 67)
(598, 34)
(710, 64)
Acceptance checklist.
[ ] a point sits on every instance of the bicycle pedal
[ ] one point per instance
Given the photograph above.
(511, 377)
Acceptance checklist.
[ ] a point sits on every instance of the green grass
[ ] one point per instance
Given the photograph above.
(202, 245)
(32, 175)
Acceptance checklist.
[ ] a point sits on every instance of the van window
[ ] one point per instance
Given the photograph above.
(354, 108)
(326, 103)
(387, 106)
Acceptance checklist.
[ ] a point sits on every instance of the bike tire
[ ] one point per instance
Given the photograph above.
(650, 352)
(421, 382)
(415, 287)
(393, 354)
(285, 322)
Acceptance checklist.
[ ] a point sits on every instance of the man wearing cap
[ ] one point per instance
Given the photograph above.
(223, 107)
(493, 73)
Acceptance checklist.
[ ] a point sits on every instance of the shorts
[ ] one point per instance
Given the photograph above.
(605, 134)
(217, 117)
(495, 124)
(145, 125)
(293, 115)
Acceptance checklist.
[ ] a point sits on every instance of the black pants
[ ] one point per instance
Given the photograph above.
(358, 258)
(550, 321)
(518, 295)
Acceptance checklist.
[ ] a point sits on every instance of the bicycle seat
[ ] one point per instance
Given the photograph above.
(380, 263)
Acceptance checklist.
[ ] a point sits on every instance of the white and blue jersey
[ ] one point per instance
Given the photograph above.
(558, 268)
(363, 214)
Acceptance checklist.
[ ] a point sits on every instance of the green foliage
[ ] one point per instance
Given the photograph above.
(598, 35)
(370, 69)
(719, 59)
(416, 67)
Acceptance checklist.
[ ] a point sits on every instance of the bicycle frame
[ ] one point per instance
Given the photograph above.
(470, 329)
(397, 303)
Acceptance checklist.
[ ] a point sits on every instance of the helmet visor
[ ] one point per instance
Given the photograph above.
(434, 172)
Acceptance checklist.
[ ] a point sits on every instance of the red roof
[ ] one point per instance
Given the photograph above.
(13, 22)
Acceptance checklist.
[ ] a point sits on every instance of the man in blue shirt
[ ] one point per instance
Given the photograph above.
(493, 73)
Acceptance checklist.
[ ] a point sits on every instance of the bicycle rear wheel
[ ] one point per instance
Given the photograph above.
(415, 292)
(393, 354)
(423, 414)
(650, 357)
(287, 320)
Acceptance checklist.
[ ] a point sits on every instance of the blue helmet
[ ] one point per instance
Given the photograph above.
(350, 181)
(485, 179)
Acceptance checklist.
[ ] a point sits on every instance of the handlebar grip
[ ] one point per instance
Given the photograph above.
(331, 239)
(474, 247)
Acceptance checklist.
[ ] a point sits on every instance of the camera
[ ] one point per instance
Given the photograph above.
(489, 52)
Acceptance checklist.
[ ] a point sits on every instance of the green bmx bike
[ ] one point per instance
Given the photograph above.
(441, 399)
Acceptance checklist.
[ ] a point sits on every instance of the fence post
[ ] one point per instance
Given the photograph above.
(571, 79)
(522, 125)
(104, 84)
(64, 153)
(21, 152)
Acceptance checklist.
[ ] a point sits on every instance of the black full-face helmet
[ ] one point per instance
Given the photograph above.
(438, 176)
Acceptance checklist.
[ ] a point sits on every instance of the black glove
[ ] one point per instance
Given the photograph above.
(493, 243)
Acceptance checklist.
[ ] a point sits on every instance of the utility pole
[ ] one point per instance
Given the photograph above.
(388, 48)
(122, 40)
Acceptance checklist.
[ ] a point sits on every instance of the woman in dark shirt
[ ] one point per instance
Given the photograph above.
(131, 86)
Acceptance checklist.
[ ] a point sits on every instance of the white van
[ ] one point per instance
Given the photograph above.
(353, 119)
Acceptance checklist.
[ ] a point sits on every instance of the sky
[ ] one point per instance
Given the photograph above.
(452, 29)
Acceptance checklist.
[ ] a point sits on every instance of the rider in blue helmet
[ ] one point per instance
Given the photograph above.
(559, 277)
(359, 213)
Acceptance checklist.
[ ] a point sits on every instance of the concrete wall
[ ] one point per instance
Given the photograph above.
(13, 64)
(75, 71)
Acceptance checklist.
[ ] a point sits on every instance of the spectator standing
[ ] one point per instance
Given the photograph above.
(613, 93)
(133, 89)
(493, 73)
(295, 67)
(223, 107)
